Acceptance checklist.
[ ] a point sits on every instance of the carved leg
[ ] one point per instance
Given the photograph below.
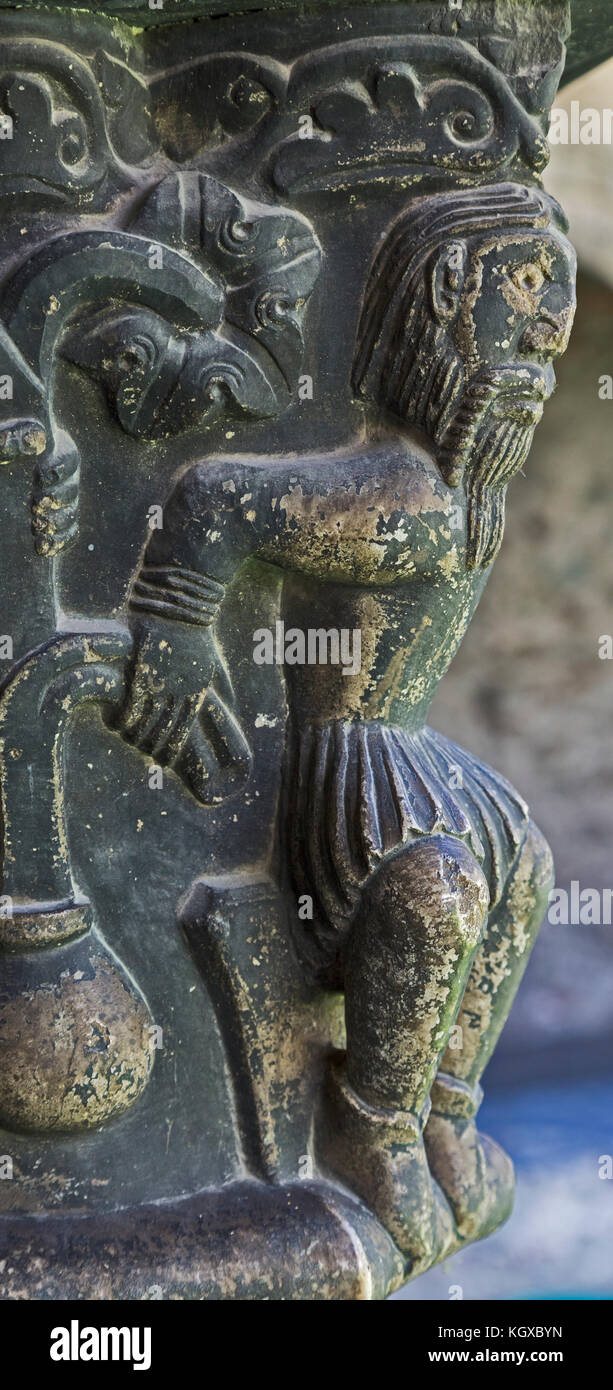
(408, 958)
(474, 1173)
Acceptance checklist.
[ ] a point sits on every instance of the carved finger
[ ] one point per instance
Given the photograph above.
(135, 714)
(170, 744)
(151, 735)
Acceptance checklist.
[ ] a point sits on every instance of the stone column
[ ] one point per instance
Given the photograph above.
(281, 296)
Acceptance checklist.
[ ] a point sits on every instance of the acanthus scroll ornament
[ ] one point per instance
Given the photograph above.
(194, 311)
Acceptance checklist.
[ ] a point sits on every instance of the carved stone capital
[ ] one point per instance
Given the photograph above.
(281, 296)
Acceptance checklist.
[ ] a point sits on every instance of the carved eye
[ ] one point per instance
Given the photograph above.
(72, 148)
(136, 355)
(247, 94)
(241, 231)
(273, 308)
(244, 103)
(529, 277)
(235, 233)
(217, 383)
(464, 125)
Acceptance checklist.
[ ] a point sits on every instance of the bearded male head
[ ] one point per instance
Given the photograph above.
(469, 300)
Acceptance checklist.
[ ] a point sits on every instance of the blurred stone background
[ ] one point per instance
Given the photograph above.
(529, 693)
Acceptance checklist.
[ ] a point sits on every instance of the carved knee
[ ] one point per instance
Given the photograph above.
(536, 860)
(407, 960)
(502, 959)
(530, 881)
(433, 892)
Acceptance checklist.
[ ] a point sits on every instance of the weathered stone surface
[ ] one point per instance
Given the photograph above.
(278, 318)
(529, 672)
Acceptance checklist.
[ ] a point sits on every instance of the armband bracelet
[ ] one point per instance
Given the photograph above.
(183, 595)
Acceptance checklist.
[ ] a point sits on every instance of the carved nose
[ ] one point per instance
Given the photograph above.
(548, 336)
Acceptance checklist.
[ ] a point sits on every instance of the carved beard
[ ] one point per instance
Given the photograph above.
(486, 444)
(482, 426)
(499, 455)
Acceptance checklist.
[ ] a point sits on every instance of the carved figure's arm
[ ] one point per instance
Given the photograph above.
(219, 514)
(286, 512)
(177, 706)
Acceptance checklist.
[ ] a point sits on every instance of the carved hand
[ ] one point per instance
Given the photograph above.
(167, 678)
(177, 708)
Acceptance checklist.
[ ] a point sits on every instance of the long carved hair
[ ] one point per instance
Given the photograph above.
(405, 360)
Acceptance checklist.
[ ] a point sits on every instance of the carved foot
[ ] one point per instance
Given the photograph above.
(380, 1154)
(474, 1173)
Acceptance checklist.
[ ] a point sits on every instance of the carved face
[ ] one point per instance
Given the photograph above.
(509, 303)
(519, 302)
(160, 379)
(514, 317)
(469, 300)
(504, 307)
